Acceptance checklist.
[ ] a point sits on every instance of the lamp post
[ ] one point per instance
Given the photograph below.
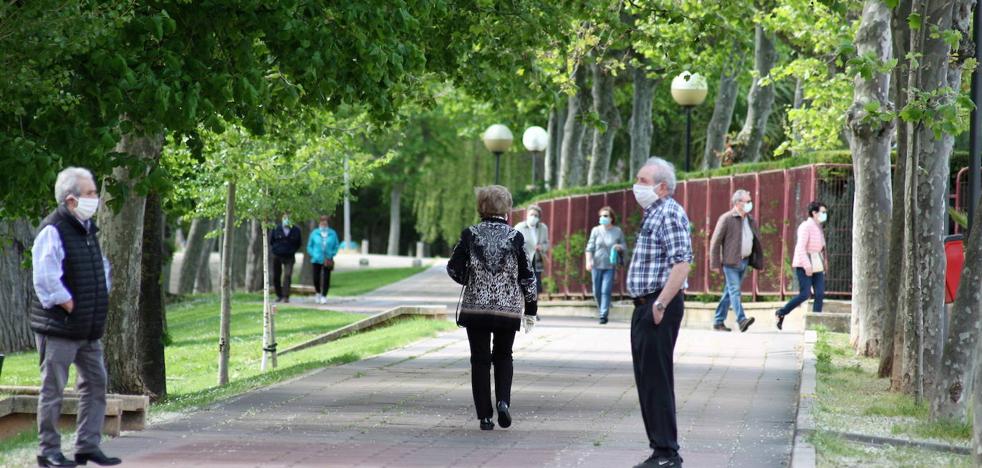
(535, 139)
(689, 90)
(497, 139)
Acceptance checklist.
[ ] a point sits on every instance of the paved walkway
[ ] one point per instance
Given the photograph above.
(431, 287)
(574, 404)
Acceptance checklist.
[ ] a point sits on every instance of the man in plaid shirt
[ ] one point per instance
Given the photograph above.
(655, 280)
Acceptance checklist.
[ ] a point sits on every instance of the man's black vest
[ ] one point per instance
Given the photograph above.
(83, 274)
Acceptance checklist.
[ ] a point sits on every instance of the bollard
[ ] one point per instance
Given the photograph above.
(419, 250)
(363, 262)
(364, 247)
(417, 262)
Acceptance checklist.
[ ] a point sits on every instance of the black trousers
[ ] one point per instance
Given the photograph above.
(482, 357)
(322, 278)
(282, 266)
(653, 348)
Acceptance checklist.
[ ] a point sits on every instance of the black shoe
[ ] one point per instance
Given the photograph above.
(279, 299)
(746, 323)
(504, 417)
(55, 459)
(286, 299)
(486, 424)
(721, 327)
(661, 462)
(780, 321)
(603, 320)
(96, 457)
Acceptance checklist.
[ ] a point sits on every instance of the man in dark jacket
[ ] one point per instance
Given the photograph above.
(71, 284)
(284, 242)
(735, 245)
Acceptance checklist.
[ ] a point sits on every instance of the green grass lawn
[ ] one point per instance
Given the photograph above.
(852, 399)
(354, 283)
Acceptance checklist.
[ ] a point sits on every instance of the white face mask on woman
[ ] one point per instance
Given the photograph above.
(532, 220)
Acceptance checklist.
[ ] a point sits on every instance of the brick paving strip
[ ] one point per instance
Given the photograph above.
(574, 404)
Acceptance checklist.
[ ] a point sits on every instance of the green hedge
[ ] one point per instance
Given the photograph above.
(958, 160)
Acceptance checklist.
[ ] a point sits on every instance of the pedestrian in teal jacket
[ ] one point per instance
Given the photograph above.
(322, 247)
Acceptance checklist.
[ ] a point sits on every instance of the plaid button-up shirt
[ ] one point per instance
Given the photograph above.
(663, 242)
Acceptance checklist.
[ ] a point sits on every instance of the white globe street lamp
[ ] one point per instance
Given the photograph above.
(689, 90)
(497, 139)
(535, 139)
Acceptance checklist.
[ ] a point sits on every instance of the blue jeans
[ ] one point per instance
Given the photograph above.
(731, 295)
(805, 285)
(603, 285)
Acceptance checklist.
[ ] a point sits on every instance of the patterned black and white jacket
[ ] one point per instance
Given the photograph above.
(490, 261)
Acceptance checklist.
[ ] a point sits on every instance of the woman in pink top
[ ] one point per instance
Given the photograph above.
(809, 261)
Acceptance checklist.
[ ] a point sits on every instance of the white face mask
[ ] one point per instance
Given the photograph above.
(86, 208)
(748, 207)
(823, 217)
(532, 220)
(645, 195)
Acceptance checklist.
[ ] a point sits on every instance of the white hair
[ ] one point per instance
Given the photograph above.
(67, 183)
(665, 173)
(738, 195)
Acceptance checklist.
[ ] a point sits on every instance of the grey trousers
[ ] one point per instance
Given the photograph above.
(56, 355)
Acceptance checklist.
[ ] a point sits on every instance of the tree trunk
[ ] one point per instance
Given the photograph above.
(572, 131)
(726, 96)
(16, 285)
(892, 334)
(603, 141)
(192, 255)
(953, 374)
(224, 331)
(269, 333)
(121, 238)
(641, 127)
(557, 119)
(152, 308)
(240, 256)
(587, 131)
(977, 437)
(930, 175)
(760, 100)
(960, 351)
(254, 264)
(202, 281)
(395, 219)
(870, 145)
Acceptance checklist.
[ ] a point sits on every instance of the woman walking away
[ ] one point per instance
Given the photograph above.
(490, 261)
(604, 251)
(808, 262)
(322, 247)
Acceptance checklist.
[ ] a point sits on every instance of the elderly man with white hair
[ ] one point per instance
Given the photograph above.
(735, 245)
(656, 280)
(68, 317)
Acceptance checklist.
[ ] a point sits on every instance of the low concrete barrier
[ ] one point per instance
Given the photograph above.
(370, 322)
(133, 408)
(18, 413)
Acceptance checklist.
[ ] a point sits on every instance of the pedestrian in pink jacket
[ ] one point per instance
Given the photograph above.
(808, 262)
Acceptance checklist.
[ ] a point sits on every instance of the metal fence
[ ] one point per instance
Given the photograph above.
(780, 197)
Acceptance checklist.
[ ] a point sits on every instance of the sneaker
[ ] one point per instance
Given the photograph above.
(746, 323)
(721, 327)
(661, 462)
(780, 321)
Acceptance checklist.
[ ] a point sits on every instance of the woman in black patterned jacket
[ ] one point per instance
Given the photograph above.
(499, 294)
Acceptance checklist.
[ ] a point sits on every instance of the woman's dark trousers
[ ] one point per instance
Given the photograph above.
(482, 357)
(322, 278)
(805, 285)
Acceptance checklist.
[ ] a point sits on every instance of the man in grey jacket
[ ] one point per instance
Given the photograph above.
(536, 235)
(735, 245)
(71, 282)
